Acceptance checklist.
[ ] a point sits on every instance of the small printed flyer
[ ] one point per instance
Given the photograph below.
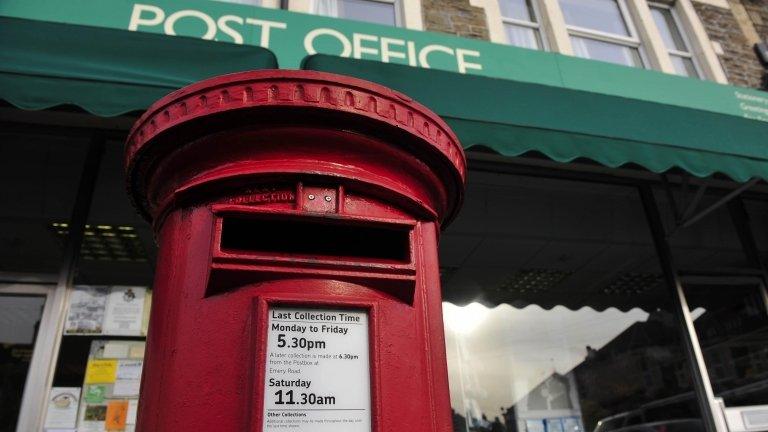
(317, 371)
(63, 404)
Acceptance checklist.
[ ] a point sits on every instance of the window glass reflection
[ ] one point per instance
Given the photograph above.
(523, 37)
(684, 66)
(605, 51)
(556, 315)
(667, 27)
(45, 173)
(600, 15)
(517, 9)
(732, 326)
(19, 322)
(372, 11)
(710, 245)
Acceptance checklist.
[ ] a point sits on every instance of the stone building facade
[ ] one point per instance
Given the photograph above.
(737, 29)
(457, 17)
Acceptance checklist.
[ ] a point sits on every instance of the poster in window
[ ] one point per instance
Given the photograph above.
(86, 310)
(124, 311)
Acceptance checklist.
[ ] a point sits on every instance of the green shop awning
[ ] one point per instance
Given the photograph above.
(514, 118)
(108, 72)
(563, 107)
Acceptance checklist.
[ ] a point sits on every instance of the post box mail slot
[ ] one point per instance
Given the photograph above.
(297, 286)
(315, 237)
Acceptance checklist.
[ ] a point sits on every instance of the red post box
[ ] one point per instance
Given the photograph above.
(297, 284)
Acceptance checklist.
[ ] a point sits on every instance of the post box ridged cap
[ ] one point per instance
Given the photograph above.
(265, 90)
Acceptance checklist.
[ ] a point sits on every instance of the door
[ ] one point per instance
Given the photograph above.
(729, 316)
(24, 317)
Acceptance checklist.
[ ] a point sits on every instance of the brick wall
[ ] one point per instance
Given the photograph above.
(739, 59)
(456, 17)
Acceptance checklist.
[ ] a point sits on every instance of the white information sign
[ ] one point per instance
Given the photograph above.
(317, 371)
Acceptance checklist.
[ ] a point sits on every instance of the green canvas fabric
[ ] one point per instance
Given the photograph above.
(513, 118)
(108, 72)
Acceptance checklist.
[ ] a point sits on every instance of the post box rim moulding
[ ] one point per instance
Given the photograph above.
(264, 98)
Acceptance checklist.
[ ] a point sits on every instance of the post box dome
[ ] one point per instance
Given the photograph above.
(269, 99)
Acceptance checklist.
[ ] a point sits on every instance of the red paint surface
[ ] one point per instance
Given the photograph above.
(258, 144)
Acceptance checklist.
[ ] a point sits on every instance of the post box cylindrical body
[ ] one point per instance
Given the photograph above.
(297, 284)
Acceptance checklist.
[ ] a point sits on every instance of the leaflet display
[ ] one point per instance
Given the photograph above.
(317, 373)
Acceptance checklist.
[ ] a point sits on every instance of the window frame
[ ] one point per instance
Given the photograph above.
(641, 25)
(683, 34)
(37, 385)
(632, 41)
(397, 4)
(536, 26)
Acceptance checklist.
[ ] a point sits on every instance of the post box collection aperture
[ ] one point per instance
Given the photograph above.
(297, 284)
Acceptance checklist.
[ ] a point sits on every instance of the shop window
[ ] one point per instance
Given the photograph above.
(711, 245)
(602, 30)
(674, 40)
(521, 23)
(757, 212)
(386, 12)
(732, 328)
(102, 344)
(39, 177)
(556, 314)
(720, 271)
(19, 322)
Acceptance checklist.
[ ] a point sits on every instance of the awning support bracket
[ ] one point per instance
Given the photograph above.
(688, 217)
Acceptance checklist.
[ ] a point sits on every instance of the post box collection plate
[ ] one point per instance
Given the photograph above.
(317, 373)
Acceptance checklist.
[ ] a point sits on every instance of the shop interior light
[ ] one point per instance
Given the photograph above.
(106, 242)
(630, 283)
(530, 281)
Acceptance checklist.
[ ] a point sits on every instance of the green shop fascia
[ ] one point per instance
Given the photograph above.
(552, 116)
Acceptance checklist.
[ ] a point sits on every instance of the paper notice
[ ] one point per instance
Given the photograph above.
(101, 371)
(137, 351)
(94, 394)
(62, 407)
(129, 369)
(117, 414)
(116, 350)
(133, 409)
(125, 388)
(124, 311)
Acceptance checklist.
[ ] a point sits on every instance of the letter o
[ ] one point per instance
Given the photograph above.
(309, 41)
(171, 21)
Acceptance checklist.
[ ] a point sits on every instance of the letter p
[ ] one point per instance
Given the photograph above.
(156, 16)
